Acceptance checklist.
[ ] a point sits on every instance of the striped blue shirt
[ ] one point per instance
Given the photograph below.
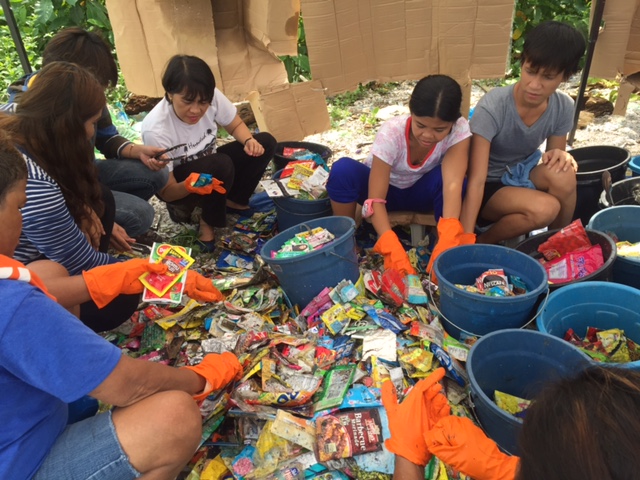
(48, 229)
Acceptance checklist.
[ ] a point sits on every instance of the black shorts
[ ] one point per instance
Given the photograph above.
(490, 189)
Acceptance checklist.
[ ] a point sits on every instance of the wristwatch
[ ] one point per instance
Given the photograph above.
(367, 206)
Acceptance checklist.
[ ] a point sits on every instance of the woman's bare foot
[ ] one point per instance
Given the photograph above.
(207, 232)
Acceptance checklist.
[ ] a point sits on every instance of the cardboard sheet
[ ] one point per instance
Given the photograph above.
(617, 49)
(388, 40)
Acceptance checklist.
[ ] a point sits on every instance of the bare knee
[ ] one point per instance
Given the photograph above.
(167, 422)
(563, 184)
(47, 269)
(544, 211)
(181, 423)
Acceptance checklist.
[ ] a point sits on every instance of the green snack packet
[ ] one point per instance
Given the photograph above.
(335, 386)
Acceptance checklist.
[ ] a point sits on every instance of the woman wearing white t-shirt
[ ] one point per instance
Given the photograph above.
(188, 116)
(418, 163)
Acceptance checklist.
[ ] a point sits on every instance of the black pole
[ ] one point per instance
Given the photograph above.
(593, 37)
(15, 34)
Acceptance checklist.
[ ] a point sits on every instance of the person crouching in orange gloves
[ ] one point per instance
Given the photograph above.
(49, 358)
(580, 428)
(417, 163)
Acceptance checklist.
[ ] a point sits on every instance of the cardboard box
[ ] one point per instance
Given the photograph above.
(617, 49)
(352, 42)
(292, 111)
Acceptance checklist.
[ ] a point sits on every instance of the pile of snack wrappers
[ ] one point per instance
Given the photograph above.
(308, 404)
(304, 177)
(569, 254)
(494, 283)
(607, 346)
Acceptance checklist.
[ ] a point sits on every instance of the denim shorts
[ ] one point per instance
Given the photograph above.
(87, 450)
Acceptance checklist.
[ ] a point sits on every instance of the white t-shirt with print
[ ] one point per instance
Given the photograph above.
(162, 128)
(391, 145)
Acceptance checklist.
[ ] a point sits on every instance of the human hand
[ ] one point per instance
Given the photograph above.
(417, 414)
(147, 154)
(120, 240)
(559, 160)
(394, 254)
(108, 281)
(215, 185)
(459, 443)
(201, 288)
(253, 147)
(91, 227)
(218, 370)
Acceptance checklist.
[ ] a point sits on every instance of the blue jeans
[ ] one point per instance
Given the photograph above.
(90, 450)
(132, 184)
(133, 214)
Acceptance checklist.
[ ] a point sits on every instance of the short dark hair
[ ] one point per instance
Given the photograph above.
(86, 49)
(437, 96)
(12, 166)
(189, 75)
(584, 427)
(555, 46)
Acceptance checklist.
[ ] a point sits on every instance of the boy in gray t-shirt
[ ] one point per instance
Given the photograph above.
(507, 187)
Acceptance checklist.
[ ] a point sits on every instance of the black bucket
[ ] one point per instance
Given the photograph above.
(609, 253)
(626, 192)
(592, 163)
(281, 161)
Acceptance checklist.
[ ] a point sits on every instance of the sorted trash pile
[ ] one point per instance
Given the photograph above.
(494, 283)
(304, 178)
(607, 346)
(309, 402)
(569, 254)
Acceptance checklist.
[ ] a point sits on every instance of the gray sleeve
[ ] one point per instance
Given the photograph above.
(486, 121)
(566, 107)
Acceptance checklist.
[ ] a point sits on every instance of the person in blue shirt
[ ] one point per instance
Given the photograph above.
(49, 359)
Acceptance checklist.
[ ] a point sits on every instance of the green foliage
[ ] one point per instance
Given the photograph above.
(298, 69)
(530, 13)
(37, 23)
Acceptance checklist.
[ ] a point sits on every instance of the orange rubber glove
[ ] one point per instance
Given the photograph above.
(108, 281)
(467, 239)
(458, 442)
(200, 288)
(416, 415)
(218, 369)
(394, 254)
(215, 185)
(449, 230)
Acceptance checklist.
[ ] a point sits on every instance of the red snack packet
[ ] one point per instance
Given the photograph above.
(393, 288)
(570, 238)
(574, 265)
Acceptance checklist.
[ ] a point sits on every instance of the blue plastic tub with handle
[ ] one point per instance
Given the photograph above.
(518, 362)
(476, 314)
(304, 276)
(603, 305)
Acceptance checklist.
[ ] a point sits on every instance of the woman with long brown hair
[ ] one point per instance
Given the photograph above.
(69, 215)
